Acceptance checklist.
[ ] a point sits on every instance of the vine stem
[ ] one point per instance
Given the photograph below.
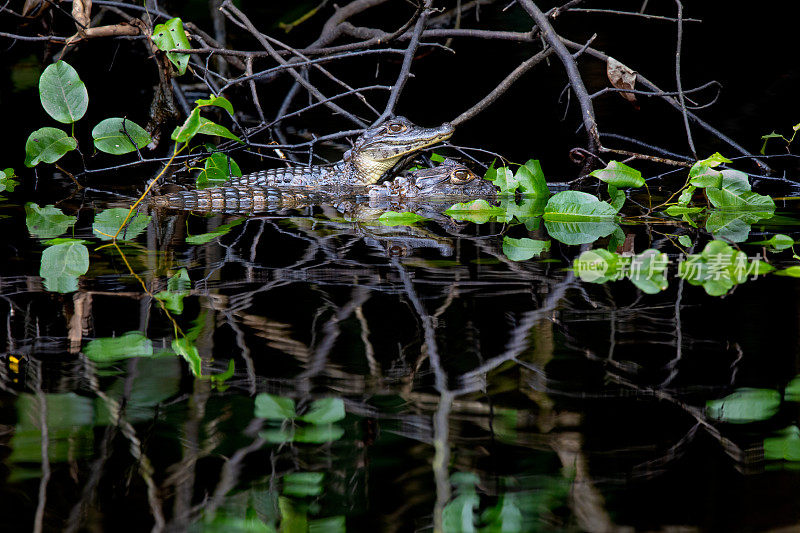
(147, 191)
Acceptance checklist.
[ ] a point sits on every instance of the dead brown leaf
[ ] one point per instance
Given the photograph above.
(82, 13)
(33, 8)
(622, 77)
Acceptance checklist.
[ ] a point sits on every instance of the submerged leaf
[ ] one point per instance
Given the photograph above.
(745, 405)
(107, 349)
(47, 222)
(478, 211)
(393, 218)
(324, 411)
(523, 249)
(576, 206)
(274, 407)
(784, 446)
(62, 263)
(108, 222)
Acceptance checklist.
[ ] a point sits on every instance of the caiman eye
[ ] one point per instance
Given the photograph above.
(461, 176)
(395, 127)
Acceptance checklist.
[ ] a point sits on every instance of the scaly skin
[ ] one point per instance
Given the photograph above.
(375, 152)
(450, 180)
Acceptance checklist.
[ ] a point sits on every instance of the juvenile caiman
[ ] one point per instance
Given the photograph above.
(448, 181)
(375, 152)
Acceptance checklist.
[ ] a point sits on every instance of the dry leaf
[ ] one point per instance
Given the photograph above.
(622, 77)
(82, 13)
(33, 8)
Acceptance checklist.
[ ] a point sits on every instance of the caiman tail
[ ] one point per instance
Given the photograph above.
(230, 200)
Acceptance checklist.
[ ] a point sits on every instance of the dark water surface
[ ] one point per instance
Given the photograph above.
(470, 383)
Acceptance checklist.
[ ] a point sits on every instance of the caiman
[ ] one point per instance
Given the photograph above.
(375, 152)
(448, 181)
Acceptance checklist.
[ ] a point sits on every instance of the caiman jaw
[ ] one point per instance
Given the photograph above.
(385, 147)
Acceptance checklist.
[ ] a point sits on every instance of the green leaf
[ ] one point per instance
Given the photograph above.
(580, 232)
(186, 349)
(48, 145)
(792, 271)
(324, 411)
(745, 405)
(219, 101)
(576, 206)
(46, 222)
(393, 218)
(109, 221)
(792, 392)
(208, 127)
(274, 407)
(597, 266)
(619, 175)
(617, 197)
(203, 238)
(715, 160)
(685, 241)
(109, 136)
(703, 176)
(278, 435)
(177, 289)
(504, 179)
(478, 211)
(171, 35)
(302, 484)
(6, 181)
(523, 249)
(109, 349)
(648, 270)
(69, 420)
(686, 195)
(531, 179)
(188, 129)
(735, 192)
(61, 265)
(777, 242)
(318, 434)
(218, 168)
(436, 158)
(785, 446)
(459, 514)
(504, 517)
(62, 93)
(329, 524)
(732, 224)
(678, 210)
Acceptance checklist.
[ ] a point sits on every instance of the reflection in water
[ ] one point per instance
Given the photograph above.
(309, 369)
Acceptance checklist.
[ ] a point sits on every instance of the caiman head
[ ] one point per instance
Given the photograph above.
(380, 147)
(450, 178)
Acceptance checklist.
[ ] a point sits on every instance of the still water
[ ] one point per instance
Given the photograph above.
(307, 370)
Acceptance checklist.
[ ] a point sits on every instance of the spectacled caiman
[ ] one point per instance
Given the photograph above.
(375, 152)
(448, 181)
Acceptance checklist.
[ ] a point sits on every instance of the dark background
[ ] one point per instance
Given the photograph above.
(750, 52)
